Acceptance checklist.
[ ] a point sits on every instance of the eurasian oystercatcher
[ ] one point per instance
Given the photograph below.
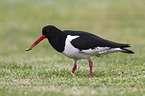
(79, 44)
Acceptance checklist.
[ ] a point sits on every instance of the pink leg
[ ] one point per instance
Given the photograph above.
(74, 67)
(91, 65)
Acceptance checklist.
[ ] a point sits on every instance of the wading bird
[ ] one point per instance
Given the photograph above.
(79, 44)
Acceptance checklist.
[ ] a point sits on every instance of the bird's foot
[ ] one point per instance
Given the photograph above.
(90, 75)
(72, 74)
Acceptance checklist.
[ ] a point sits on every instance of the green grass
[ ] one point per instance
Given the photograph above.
(44, 72)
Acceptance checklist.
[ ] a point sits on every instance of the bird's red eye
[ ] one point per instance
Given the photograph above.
(47, 30)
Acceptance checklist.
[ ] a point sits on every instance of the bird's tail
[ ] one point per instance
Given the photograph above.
(124, 50)
(127, 51)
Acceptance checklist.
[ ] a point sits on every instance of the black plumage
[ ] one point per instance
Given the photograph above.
(88, 40)
(79, 44)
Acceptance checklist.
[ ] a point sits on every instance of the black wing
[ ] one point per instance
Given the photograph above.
(88, 40)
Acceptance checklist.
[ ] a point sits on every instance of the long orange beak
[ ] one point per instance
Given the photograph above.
(36, 42)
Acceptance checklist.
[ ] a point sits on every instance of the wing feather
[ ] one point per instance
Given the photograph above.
(87, 41)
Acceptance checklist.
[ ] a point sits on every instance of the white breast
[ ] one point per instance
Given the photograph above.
(75, 53)
(71, 51)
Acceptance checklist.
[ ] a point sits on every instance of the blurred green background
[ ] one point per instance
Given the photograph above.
(21, 22)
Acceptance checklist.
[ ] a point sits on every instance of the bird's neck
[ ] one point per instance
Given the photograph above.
(58, 42)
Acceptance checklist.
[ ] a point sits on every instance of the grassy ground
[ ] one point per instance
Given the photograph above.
(45, 72)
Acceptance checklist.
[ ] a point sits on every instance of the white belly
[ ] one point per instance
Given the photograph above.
(71, 51)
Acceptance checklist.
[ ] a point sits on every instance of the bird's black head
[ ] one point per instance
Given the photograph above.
(50, 31)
